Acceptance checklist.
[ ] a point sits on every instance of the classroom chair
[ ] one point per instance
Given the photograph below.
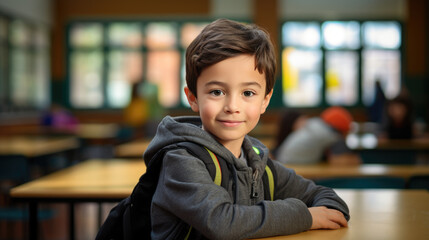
(391, 156)
(418, 182)
(15, 170)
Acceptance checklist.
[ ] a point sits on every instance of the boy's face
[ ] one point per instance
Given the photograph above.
(231, 98)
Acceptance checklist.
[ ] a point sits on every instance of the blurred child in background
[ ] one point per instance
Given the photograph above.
(398, 122)
(315, 139)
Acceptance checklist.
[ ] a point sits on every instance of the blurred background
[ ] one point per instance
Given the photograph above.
(87, 56)
(105, 72)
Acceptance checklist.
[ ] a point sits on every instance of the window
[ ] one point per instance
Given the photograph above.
(24, 66)
(381, 59)
(338, 62)
(107, 58)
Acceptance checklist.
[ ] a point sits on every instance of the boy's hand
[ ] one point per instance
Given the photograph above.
(325, 218)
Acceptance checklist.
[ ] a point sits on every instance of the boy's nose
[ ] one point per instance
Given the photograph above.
(232, 105)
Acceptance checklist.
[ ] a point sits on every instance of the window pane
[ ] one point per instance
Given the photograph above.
(163, 71)
(341, 77)
(301, 34)
(125, 34)
(41, 38)
(86, 35)
(20, 34)
(382, 65)
(302, 77)
(41, 78)
(28, 76)
(161, 35)
(125, 68)
(20, 76)
(341, 35)
(86, 79)
(41, 63)
(382, 35)
(190, 31)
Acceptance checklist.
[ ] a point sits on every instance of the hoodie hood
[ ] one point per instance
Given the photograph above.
(188, 129)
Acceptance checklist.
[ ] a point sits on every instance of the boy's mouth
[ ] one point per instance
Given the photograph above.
(230, 123)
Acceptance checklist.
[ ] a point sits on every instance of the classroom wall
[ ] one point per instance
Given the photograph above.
(343, 9)
(39, 11)
(416, 55)
(66, 10)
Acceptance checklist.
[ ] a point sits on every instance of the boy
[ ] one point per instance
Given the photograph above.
(230, 71)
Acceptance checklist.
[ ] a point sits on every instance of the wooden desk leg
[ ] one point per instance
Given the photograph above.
(33, 221)
(71, 221)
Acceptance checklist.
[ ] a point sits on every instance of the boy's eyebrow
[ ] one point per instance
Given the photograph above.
(214, 82)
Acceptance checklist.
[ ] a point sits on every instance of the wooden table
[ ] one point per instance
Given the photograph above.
(378, 214)
(392, 214)
(89, 181)
(35, 146)
(97, 130)
(133, 149)
(21, 156)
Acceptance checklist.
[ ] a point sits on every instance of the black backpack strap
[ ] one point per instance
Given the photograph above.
(138, 215)
(113, 227)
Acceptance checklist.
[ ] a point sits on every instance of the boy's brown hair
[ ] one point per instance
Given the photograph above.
(223, 39)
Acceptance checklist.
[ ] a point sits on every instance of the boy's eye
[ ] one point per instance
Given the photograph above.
(248, 93)
(216, 92)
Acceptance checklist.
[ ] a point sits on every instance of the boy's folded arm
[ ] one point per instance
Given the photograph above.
(189, 193)
(292, 185)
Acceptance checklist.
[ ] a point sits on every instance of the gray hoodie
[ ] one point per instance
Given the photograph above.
(187, 196)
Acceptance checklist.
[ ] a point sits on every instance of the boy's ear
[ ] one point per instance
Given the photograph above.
(266, 101)
(192, 100)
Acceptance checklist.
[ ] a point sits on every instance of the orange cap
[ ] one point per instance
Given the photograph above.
(337, 117)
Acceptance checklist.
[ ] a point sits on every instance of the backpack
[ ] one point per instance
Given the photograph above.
(130, 218)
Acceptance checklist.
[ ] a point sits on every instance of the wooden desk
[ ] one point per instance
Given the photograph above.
(378, 214)
(35, 146)
(134, 149)
(92, 180)
(97, 130)
(89, 181)
(365, 170)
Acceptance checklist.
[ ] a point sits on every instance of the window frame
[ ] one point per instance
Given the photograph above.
(143, 50)
(324, 102)
(8, 106)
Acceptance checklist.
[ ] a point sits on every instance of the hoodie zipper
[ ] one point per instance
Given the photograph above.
(253, 193)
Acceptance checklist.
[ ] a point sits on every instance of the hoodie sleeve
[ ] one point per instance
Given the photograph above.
(186, 192)
(291, 185)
